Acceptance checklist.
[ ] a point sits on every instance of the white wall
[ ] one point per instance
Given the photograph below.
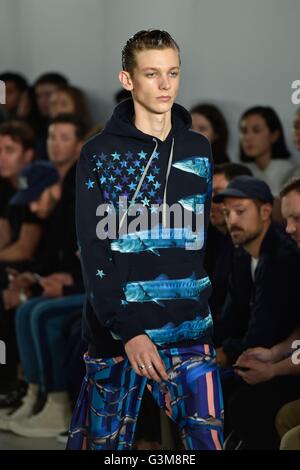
(235, 53)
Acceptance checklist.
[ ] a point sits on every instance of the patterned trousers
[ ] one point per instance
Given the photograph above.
(107, 409)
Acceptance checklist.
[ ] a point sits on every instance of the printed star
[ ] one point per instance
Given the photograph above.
(140, 195)
(145, 201)
(118, 172)
(159, 200)
(150, 178)
(142, 155)
(102, 179)
(129, 155)
(125, 179)
(99, 164)
(137, 163)
(157, 185)
(112, 179)
(100, 273)
(130, 170)
(116, 156)
(90, 184)
(155, 155)
(118, 188)
(145, 186)
(155, 170)
(123, 164)
(151, 193)
(132, 186)
(153, 209)
(94, 157)
(103, 157)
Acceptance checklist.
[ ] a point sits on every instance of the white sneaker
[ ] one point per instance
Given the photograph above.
(21, 413)
(53, 420)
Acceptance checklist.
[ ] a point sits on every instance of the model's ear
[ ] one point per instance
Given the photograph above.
(125, 80)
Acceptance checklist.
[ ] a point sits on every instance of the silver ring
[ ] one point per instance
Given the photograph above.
(150, 367)
(141, 367)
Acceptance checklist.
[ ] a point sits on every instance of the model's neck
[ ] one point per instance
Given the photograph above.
(158, 125)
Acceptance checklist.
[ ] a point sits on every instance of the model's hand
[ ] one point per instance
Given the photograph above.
(258, 371)
(144, 358)
(261, 354)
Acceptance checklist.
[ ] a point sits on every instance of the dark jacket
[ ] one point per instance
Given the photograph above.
(136, 286)
(265, 311)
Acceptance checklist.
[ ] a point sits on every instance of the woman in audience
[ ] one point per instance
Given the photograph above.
(263, 147)
(209, 121)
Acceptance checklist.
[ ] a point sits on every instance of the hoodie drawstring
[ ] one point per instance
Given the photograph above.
(143, 177)
(167, 177)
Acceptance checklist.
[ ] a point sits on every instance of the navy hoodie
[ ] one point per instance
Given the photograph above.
(144, 279)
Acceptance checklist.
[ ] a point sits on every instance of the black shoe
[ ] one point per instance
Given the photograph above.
(13, 398)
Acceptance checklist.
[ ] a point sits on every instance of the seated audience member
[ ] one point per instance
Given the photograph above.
(263, 147)
(19, 229)
(44, 86)
(209, 121)
(70, 100)
(296, 139)
(52, 293)
(257, 312)
(28, 111)
(219, 247)
(15, 85)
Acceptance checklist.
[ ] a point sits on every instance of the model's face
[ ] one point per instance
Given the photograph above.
(290, 208)
(255, 136)
(243, 220)
(201, 124)
(155, 80)
(60, 102)
(217, 218)
(296, 130)
(43, 94)
(13, 157)
(62, 143)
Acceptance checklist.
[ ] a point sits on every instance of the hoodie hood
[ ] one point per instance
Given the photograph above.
(121, 122)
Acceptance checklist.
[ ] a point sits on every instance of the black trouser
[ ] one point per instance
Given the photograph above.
(253, 408)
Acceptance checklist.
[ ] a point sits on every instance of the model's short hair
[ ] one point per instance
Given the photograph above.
(145, 40)
(68, 118)
(231, 170)
(53, 78)
(19, 132)
(16, 78)
(292, 184)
